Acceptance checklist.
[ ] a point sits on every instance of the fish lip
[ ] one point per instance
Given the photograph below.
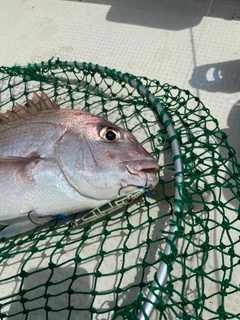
(145, 166)
(146, 170)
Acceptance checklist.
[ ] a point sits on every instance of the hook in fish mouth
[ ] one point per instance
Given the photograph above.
(147, 171)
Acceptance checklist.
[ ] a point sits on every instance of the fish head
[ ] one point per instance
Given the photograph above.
(106, 159)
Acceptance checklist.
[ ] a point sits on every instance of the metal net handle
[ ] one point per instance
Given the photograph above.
(161, 274)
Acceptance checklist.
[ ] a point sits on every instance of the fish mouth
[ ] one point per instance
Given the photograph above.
(146, 170)
(150, 170)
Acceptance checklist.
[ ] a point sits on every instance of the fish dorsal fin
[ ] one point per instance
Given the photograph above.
(38, 103)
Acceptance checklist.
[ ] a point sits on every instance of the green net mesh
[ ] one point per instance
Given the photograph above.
(106, 269)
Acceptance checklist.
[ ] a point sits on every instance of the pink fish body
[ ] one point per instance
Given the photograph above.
(55, 161)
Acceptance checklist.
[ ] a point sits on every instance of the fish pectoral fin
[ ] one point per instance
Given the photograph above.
(17, 228)
(10, 166)
(10, 160)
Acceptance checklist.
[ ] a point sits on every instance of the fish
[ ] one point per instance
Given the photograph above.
(62, 161)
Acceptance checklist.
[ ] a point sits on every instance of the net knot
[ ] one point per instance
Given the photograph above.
(199, 271)
(231, 252)
(5, 255)
(93, 310)
(84, 237)
(123, 270)
(70, 308)
(78, 259)
(48, 284)
(205, 246)
(226, 225)
(149, 241)
(59, 245)
(161, 305)
(67, 233)
(224, 268)
(130, 226)
(22, 293)
(71, 291)
(169, 289)
(196, 303)
(23, 300)
(47, 308)
(226, 283)
(24, 274)
(106, 232)
(26, 311)
(98, 274)
(34, 249)
(186, 316)
(51, 265)
(125, 249)
(221, 312)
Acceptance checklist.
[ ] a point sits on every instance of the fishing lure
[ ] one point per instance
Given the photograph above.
(113, 205)
(98, 212)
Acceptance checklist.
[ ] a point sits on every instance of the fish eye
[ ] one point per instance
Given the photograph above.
(110, 134)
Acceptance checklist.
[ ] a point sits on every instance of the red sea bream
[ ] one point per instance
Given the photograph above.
(55, 161)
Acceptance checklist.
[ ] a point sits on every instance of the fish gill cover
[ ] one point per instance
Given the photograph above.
(105, 270)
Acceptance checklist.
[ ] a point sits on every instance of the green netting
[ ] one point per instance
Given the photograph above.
(106, 269)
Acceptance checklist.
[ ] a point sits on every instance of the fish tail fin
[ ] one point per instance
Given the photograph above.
(16, 229)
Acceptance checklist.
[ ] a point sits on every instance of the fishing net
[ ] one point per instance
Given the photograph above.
(187, 232)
